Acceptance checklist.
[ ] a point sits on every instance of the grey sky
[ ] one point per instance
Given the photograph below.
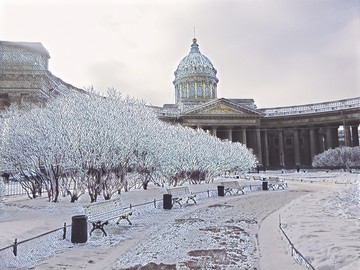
(278, 52)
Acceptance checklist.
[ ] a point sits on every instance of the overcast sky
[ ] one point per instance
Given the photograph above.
(278, 52)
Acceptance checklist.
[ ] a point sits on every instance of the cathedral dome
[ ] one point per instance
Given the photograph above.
(195, 76)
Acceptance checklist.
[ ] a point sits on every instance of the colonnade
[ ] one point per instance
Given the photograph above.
(288, 147)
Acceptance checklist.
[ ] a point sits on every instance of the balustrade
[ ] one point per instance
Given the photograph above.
(314, 108)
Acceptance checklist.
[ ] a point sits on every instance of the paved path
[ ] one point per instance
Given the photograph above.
(274, 253)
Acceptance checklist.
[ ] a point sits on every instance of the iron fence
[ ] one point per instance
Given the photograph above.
(15, 188)
(31, 251)
(295, 253)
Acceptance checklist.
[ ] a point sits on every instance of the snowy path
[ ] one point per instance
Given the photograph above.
(271, 243)
(218, 232)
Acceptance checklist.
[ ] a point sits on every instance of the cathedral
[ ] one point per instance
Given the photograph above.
(282, 137)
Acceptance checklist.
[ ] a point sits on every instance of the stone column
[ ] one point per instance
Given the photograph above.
(335, 137)
(258, 146)
(266, 149)
(214, 131)
(305, 150)
(321, 141)
(329, 138)
(235, 134)
(230, 138)
(281, 148)
(355, 135)
(312, 143)
(296, 147)
(244, 136)
(347, 136)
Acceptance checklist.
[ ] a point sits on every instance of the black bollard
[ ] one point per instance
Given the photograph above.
(79, 232)
(221, 191)
(265, 185)
(167, 201)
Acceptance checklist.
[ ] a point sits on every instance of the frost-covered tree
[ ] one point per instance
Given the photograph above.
(2, 190)
(343, 157)
(85, 143)
(78, 142)
(195, 155)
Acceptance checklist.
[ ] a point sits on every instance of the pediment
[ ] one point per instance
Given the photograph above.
(222, 107)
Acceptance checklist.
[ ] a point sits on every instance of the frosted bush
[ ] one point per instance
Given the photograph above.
(85, 143)
(2, 189)
(344, 157)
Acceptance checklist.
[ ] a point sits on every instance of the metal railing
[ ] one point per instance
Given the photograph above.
(295, 253)
(15, 188)
(29, 252)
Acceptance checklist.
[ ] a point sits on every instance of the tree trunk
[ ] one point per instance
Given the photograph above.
(74, 198)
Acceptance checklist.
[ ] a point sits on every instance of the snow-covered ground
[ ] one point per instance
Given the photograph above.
(329, 229)
(322, 219)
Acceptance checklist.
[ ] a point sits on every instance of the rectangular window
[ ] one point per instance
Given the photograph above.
(192, 90)
(207, 91)
(199, 91)
(183, 92)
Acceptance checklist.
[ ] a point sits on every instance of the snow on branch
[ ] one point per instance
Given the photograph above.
(86, 143)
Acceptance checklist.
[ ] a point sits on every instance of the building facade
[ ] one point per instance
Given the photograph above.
(280, 137)
(24, 75)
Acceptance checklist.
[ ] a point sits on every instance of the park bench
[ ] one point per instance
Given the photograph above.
(257, 177)
(179, 193)
(276, 183)
(232, 186)
(244, 176)
(99, 213)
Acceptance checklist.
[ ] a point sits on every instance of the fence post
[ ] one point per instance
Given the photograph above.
(15, 247)
(279, 220)
(154, 203)
(130, 206)
(208, 192)
(64, 235)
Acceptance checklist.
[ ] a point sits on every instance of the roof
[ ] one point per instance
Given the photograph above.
(195, 64)
(232, 107)
(32, 46)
